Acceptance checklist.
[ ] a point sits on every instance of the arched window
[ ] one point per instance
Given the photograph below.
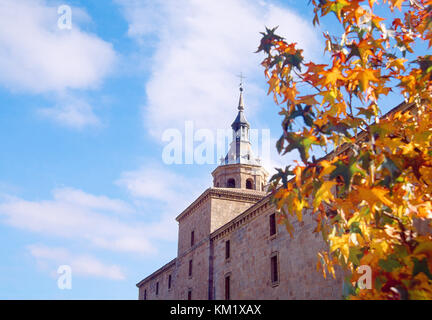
(231, 183)
(249, 184)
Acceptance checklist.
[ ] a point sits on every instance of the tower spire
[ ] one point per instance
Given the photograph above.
(241, 103)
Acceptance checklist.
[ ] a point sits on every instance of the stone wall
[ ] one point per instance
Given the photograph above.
(161, 276)
(197, 219)
(198, 282)
(223, 210)
(249, 267)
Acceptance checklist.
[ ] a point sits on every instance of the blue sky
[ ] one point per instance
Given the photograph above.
(82, 114)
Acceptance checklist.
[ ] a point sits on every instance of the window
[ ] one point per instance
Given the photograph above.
(157, 288)
(227, 287)
(145, 294)
(169, 282)
(227, 249)
(192, 238)
(190, 268)
(231, 183)
(190, 294)
(274, 269)
(272, 221)
(249, 184)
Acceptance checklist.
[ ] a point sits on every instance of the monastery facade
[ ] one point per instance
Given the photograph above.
(230, 245)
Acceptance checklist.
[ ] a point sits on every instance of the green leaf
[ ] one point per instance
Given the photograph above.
(379, 282)
(355, 255)
(421, 266)
(390, 264)
(354, 228)
(300, 142)
(267, 40)
(346, 171)
(294, 59)
(347, 288)
(283, 175)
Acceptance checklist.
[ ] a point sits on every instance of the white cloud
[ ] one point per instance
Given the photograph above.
(111, 224)
(171, 191)
(73, 113)
(201, 46)
(73, 214)
(158, 183)
(36, 56)
(85, 200)
(86, 265)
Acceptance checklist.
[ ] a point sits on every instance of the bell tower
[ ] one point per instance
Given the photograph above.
(240, 168)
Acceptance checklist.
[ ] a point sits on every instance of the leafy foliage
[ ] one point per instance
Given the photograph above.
(371, 193)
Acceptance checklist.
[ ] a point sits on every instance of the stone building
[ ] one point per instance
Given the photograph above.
(230, 245)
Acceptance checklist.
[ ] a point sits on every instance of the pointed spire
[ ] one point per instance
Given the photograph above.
(240, 120)
(241, 103)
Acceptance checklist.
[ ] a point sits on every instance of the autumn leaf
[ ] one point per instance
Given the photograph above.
(332, 76)
(364, 77)
(335, 7)
(324, 193)
(374, 195)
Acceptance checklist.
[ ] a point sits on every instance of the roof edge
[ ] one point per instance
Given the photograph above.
(157, 272)
(229, 192)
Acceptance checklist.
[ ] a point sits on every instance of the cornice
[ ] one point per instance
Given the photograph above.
(223, 193)
(157, 272)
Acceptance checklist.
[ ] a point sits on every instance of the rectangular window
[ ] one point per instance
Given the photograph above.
(157, 288)
(169, 282)
(227, 249)
(192, 238)
(145, 294)
(190, 294)
(274, 269)
(190, 268)
(227, 287)
(272, 221)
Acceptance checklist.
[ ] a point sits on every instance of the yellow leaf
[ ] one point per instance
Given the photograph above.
(340, 243)
(424, 247)
(374, 195)
(327, 168)
(364, 76)
(397, 4)
(397, 63)
(324, 193)
(330, 95)
(309, 99)
(331, 76)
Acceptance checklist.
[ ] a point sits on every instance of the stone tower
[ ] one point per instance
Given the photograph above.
(230, 246)
(240, 168)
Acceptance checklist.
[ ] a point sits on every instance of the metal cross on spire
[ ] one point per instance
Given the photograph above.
(241, 76)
